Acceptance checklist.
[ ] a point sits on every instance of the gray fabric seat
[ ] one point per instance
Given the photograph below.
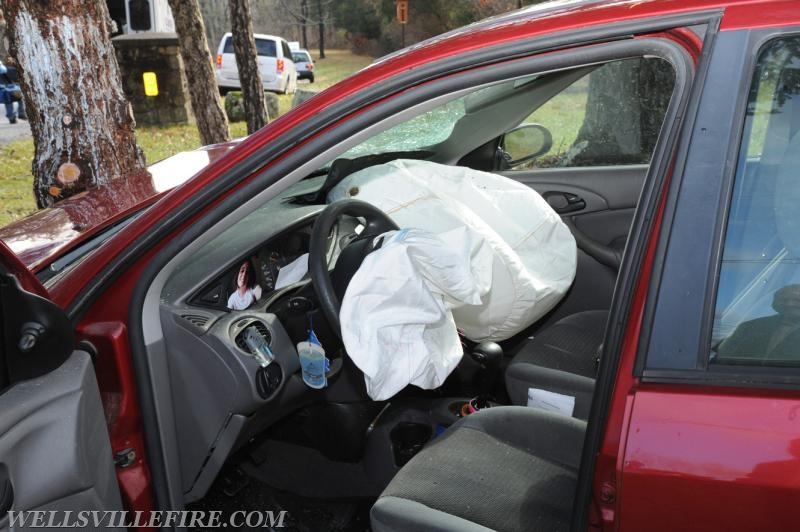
(507, 468)
(561, 359)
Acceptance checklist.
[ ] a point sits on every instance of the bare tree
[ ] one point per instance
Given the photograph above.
(304, 17)
(244, 47)
(198, 65)
(83, 127)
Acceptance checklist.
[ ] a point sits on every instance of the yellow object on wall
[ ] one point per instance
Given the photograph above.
(150, 83)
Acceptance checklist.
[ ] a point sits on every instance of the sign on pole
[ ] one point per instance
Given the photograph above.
(402, 11)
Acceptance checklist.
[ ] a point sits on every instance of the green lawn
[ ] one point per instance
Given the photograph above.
(16, 182)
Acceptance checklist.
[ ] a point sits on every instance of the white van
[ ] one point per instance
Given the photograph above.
(278, 72)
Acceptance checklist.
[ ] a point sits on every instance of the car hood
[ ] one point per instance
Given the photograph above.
(49, 233)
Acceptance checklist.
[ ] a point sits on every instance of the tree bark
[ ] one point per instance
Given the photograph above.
(625, 107)
(198, 65)
(304, 22)
(83, 127)
(244, 47)
(321, 30)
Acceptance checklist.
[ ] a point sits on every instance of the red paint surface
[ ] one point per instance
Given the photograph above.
(711, 460)
(15, 267)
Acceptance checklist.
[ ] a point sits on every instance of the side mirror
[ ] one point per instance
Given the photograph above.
(525, 143)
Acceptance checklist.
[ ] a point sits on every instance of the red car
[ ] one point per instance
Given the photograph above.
(666, 136)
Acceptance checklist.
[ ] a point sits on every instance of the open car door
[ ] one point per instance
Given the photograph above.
(55, 453)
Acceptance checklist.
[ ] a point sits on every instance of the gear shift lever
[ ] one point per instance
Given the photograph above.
(486, 356)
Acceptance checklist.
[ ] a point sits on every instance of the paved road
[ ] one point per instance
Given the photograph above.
(11, 132)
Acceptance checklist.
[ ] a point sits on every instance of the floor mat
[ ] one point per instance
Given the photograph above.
(234, 491)
(306, 472)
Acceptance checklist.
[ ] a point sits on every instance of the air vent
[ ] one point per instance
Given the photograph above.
(268, 380)
(260, 328)
(196, 320)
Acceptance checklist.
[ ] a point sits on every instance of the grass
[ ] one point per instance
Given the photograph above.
(16, 181)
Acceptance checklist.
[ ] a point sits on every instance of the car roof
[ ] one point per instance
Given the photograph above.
(258, 36)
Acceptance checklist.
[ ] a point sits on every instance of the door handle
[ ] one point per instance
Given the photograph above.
(564, 202)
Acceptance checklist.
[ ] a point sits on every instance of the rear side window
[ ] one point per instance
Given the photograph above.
(757, 311)
(264, 47)
(287, 52)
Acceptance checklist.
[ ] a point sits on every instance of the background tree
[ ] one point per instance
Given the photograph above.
(83, 127)
(244, 48)
(198, 65)
(371, 25)
(639, 90)
(319, 14)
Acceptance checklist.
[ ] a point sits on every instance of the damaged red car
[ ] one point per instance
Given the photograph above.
(539, 273)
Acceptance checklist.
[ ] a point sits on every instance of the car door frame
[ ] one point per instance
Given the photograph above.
(53, 431)
(444, 85)
(667, 352)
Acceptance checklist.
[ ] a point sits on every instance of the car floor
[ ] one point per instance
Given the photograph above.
(240, 487)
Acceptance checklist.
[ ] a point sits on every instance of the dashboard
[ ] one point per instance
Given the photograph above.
(232, 317)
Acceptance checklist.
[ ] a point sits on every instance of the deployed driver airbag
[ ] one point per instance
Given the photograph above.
(396, 321)
(531, 252)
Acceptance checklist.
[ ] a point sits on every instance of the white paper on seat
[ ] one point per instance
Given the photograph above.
(396, 319)
(551, 401)
(533, 253)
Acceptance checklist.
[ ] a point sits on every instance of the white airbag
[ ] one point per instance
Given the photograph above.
(396, 321)
(531, 252)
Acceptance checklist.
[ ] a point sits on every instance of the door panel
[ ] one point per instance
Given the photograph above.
(716, 461)
(54, 443)
(606, 187)
(610, 194)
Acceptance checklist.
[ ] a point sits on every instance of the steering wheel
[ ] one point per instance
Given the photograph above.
(330, 287)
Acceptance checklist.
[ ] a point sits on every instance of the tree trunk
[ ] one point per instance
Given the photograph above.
(304, 22)
(244, 47)
(321, 30)
(198, 65)
(625, 107)
(83, 127)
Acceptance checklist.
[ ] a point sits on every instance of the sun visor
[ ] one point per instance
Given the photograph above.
(531, 251)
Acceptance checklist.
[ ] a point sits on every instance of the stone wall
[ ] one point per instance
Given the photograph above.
(154, 52)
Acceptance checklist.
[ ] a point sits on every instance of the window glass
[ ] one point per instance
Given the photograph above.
(435, 126)
(266, 48)
(139, 11)
(757, 312)
(611, 116)
(421, 131)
